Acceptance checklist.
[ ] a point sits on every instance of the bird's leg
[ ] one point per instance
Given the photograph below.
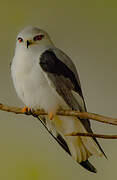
(51, 115)
(53, 112)
(26, 110)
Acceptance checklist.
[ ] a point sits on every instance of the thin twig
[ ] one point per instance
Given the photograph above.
(93, 135)
(87, 115)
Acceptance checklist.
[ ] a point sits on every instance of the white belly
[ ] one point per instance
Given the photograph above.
(33, 88)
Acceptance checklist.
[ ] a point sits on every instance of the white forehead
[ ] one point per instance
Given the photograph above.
(30, 32)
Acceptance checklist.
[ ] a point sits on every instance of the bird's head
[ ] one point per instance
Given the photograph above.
(32, 37)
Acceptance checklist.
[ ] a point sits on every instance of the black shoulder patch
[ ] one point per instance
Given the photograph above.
(50, 63)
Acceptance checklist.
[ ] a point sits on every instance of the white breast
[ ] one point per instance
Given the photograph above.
(31, 83)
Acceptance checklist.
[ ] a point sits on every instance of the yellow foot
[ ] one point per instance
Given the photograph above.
(50, 115)
(26, 110)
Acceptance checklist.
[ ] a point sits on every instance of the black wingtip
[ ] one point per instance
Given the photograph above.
(87, 165)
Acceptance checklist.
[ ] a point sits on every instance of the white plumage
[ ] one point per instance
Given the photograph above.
(36, 91)
(30, 81)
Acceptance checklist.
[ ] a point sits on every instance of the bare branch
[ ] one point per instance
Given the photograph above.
(81, 115)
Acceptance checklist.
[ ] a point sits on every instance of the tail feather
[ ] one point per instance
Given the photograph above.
(89, 143)
(79, 147)
(87, 165)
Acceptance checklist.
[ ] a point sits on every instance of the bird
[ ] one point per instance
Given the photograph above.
(45, 77)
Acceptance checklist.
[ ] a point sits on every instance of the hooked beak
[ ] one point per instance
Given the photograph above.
(28, 43)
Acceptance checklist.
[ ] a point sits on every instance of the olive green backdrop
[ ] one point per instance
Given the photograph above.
(87, 31)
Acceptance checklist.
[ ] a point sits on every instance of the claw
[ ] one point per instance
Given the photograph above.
(26, 110)
(29, 110)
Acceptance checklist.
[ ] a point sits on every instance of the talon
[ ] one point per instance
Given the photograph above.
(50, 115)
(29, 110)
(26, 110)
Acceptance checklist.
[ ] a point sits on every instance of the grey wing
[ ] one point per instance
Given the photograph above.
(62, 73)
(65, 81)
(66, 60)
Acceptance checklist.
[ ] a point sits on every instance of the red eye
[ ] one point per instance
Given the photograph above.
(38, 37)
(20, 40)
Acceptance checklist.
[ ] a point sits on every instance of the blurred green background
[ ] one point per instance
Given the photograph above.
(87, 31)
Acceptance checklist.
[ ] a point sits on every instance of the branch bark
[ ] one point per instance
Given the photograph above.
(81, 115)
(104, 136)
